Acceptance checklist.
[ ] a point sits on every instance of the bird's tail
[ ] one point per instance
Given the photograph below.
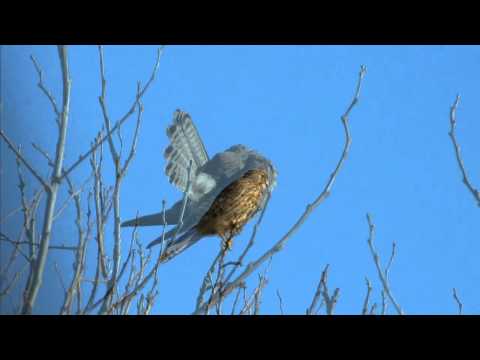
(171, 217)
(180, 244)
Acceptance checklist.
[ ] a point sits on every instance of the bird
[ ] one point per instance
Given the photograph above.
(221, 194)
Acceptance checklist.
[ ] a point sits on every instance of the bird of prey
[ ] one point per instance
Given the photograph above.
(221, 194)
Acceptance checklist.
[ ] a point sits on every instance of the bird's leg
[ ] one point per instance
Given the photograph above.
(227, 241)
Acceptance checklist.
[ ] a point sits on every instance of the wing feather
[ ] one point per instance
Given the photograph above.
(185, 145)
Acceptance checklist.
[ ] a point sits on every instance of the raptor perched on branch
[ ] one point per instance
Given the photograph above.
(221, 194)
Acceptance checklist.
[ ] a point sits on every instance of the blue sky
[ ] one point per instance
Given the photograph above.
(286, 102)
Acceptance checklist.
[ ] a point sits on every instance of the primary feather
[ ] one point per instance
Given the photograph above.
(185, 145)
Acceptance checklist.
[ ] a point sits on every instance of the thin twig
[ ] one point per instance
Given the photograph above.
(384, 303)
(184, 201)
(162, 245)
(9, 214)
(79, 264)
(330, 301)
(318, 292)
(72, 194)
(101, 212)
(457, 300)
(453, 123)
(3, 237)
(18, 154)
(263, 281)
(41, 85)
(12, 282)
(387, 269)
(128, 296)
(205, 281)
(254, 300)
(237, 296)
(44, 154)
(280, 302)
(376, 260)
(55, 265)
(218, 284)
(367, 297)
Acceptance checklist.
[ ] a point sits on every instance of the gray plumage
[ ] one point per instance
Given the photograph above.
(185, 145)
(208, 177)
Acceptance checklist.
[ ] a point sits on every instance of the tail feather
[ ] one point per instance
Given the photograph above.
(171, 217)
(180, 244)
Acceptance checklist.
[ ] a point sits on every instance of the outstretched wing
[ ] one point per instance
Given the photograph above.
(185, 145)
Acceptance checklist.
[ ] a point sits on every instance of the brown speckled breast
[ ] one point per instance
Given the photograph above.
(235, 205)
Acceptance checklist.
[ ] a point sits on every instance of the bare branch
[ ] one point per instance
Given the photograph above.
(205, 281)
(330, 301)
(322, 291)
(262, 282)
(19, 156)
(133, 148)
(12, 257)
(131, 293)
(100, 211)
(12, 282)
(5, 238)
(44, 154)
(41, 85)
(381, 274)
(457, 300)
(79, 264)
(254, 300)
(184, 202)
(29, 224)
(151, 295)
(55, 265)
(216, 287)
(9, 214)
(164, 204)
(32, 287)
(318, 293)
(101, 99)
(72, 194)
(116, 192)
(387, 269)
(280, 302)
(384, 303)
(97, 280)
(29, 213)
(453, 123)
(237, 296)
(367, 297)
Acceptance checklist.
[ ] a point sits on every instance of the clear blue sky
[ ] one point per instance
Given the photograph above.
(286, 102)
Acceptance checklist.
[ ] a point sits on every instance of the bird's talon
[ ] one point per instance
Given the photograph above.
(228, 245)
